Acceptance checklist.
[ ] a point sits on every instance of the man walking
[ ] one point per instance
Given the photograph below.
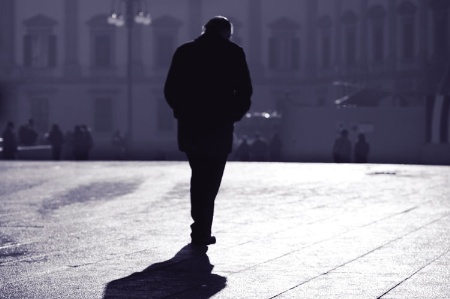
(209, 88)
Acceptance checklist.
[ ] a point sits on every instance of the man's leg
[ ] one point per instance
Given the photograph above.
(206, 177)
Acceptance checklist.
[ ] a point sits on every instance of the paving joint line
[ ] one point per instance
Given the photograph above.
(361, 256)
(414, 273)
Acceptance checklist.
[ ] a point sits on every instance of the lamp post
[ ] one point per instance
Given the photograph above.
(136, 11)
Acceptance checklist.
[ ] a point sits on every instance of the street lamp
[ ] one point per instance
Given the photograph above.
(136, 11)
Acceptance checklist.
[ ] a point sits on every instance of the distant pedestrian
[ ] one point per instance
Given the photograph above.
(56, 140)
(275, 148)
(119, 145)
(9, 146)
(78, 143)
(342, 149)
(259, 148)
(361, 150)
(27, 134)
(243, 150)
(68, 145)
(87, 142)
(209, 88)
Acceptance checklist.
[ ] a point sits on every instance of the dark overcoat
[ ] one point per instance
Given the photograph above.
(209, 89)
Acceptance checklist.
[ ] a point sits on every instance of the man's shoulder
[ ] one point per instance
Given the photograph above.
(186, 47)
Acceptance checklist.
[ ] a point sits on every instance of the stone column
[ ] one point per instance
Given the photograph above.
(196, 21)
(423, 28)
(363, 35)
(255, 44)
(71, 38)
(7, 37)
(136, 62)
(392, 35)
(338, 36)
(311, 37)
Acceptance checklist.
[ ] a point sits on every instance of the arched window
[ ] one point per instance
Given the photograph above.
(102, 43)
(325, 43)
(440, 27)
(284, 45)
(407, 11)
(39, 44)
(377, 15)
(165, 38)
(349, 20)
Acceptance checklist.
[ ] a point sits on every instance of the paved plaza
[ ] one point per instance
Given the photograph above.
(284, 230)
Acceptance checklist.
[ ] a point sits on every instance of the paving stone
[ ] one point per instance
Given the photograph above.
(284, 230)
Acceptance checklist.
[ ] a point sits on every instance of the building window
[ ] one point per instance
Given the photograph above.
(408, 41)
(39, 43)
(102, 50)
(326, 51)
(350, 46)
(165, 117)
(102, 42)
(349, 20)
(325, 41)
(165, 39)
(103, 114)
(440, 35)
(284, 53)
(284, 46)
(40, 114)
(378, 43)
(407, 11)
(377, 15)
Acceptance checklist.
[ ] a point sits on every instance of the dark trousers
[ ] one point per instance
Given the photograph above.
(207, 172)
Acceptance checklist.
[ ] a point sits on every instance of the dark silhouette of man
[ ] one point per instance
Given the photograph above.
(362, 149)
(259, 148)
(56, 140)
(342, 148)
(208, 86)
(9, 150)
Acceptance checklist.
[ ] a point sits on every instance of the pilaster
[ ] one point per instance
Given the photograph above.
(338, 36)
(255, 37)
(311, 37)
(7, 37)
(363, 36)
(71, 38)
(392, 34)
(423, 27)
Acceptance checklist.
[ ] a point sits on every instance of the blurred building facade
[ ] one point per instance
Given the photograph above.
(61, 62)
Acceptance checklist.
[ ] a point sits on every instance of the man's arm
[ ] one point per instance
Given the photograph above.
(173, 81)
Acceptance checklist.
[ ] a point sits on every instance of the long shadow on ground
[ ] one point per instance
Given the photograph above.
(186, 275)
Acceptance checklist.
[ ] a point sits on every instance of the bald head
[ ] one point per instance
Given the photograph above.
(219, 25)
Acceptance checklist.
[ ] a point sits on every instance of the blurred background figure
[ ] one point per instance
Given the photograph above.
(119, 144)
(275, 148)
(87, 142)
(27, 134)
(259, 149)
(342, 149)
(68, 145)
(56, 140)
(361, 150)
(78, 142)
(9, 142)
(243, 151)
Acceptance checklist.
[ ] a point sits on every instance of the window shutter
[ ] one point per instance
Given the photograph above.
(52, 51)
(27, 51)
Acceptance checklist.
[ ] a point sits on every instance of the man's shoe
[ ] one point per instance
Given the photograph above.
(204, 242)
